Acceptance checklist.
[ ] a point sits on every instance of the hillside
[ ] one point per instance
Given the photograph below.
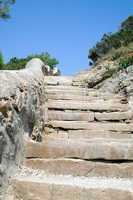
(111, 42)
(112, 61)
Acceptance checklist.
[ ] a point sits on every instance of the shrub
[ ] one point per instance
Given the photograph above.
(109, 73)
(125, 62)
(116, 56)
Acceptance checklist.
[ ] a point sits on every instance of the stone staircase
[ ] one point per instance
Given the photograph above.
(87, 148)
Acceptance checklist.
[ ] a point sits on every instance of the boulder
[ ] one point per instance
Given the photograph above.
(21, 110)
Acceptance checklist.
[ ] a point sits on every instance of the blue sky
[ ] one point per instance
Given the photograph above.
(64, 28)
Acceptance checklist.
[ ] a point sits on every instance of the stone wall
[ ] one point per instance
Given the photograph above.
(21, 114)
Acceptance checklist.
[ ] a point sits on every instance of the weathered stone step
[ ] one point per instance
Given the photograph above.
(80, 105)
(88, 116)
(107, 149)
(85, 134)
(77, 167)
(76, 92)
(31, 187)
(113, 116)
(67, 96)
(58, 80)
(67, 88)
(72, 92)
(71, 116)
(97, 126)
(89, 92)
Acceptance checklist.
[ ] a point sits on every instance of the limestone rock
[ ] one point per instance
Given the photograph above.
(114, 116)
(82, 132)
(71, 116)
(58, 80)
(92, 106)
(21, 109)
(107, 149)
(67, 188)
(78, 167)
(90, 126)
(97, 74)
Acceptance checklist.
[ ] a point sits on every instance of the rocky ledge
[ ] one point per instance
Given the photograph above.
(21, 114)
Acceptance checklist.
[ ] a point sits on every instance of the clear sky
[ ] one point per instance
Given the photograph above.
(64, 28)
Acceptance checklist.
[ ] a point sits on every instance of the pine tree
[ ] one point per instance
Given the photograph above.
(5, 8)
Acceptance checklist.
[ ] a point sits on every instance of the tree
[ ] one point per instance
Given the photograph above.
(4, 14)
(122, 37)
(127, 24)
(1, 61)
(5, 8)
(47, 59)
(20, 63)
(15, 64)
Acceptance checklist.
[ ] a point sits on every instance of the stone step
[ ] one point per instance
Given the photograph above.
(101, 148)
(77, 167)
(97, 126)
(113, 116)
(70, 89)
(85, 134)
(88, 116)
(92, 106)
(67, 96)
(72, 92)
(36, 187)
(70, 116)
(58, 80)
(89, 93)
(67, 88)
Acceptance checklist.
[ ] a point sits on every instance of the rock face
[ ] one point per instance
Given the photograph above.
(21, 114)
(83, 138)
(97, 74)
(87, 146)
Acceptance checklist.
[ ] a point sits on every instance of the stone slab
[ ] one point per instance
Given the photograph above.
(77, 167)
(66, 87)
(67, 189)
(106, 149)
(67, 96)
(58, 80)
(71, 116)
(85, 134)
(92, 106)
(97, 126)
(114, 116)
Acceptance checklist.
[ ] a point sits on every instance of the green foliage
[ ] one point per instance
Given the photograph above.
(109, 73)
(127, 24)
(125, 62)
(116, 55)
(113, 40)
(1, 61)
(15, 64)
(4, 8)
(46, 58)
(20, 63)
